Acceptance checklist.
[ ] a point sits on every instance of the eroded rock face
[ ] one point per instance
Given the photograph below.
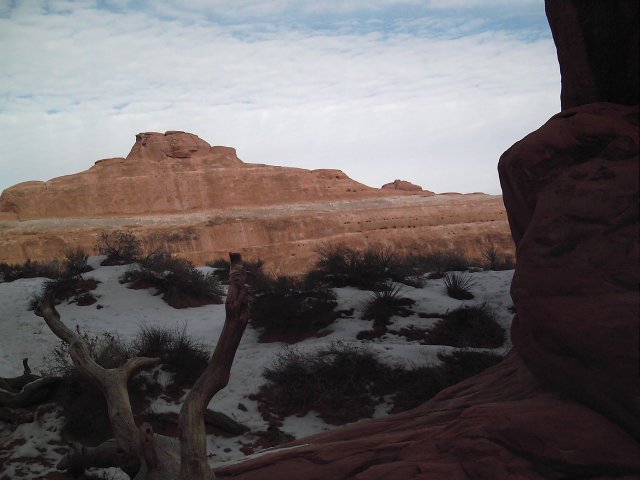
(564, 404)
(571, 190)
(498, 425)
(202, 202)
(403, 185)
(174, 172)
(598, 50)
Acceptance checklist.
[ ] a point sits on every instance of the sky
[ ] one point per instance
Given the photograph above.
(429, 91)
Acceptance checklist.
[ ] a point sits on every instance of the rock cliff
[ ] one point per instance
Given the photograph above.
(403, 185)
(202, 201)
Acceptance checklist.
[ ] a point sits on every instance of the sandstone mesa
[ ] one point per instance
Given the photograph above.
(202, 201)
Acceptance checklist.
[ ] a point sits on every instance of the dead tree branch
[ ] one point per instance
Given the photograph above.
(27, 389)
(193, 448)
(157, 454)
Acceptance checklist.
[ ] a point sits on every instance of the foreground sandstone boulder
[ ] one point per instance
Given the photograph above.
(501, 424)
(571, 189)
(564, 404)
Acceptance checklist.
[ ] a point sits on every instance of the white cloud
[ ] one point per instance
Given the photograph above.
(77, 87)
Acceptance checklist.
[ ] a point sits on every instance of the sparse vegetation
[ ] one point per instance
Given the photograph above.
(181, 284)
(291, 308)
(84, 405)
(438, 263)
(121, 247)
(341, 266)
(342, 383)
(469, 326)
(419, 384)
(345, 383)
(494, 260)
(386, 302)
(68, 282)
(458, 285)
(179, 353)
(75, 263)
(31, 269)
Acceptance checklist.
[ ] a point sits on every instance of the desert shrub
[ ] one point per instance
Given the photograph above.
(494, 260)
(179, 353)
(106, 349)
(68, 284)
(458, 285)
(31, 269)
(83, 404)
(120, 247)
(345, 383)
(181, 284)
(461, 364)
(219, 263)
(75, 263)
(385, 302)
(288, 305)
(342, 383)
(341, 266)
(469, 326)
(414, 386)
(438, 263)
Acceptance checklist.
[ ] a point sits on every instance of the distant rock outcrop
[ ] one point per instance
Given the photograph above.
(404, 186)
(202, 201)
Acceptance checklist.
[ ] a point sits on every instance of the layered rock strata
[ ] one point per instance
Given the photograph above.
(202, 201)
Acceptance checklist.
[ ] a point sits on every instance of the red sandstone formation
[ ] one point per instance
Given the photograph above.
(174, 172)
(404, 186)
(571, 190)
(597, 45)
(203, 201)
(499, 425)
(565, 404)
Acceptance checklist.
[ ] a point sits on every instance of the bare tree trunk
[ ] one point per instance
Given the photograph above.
(112, 382)
(27, 389)
(193, 447)
(158, 454)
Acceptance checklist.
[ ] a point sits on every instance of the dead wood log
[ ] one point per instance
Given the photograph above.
(158, 454)
(193, 447)
(27, 389)
(107, 454)
(112, 382)
(224, 422)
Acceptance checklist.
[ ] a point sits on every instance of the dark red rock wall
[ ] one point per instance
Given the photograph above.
(571, 192)
(597, 43)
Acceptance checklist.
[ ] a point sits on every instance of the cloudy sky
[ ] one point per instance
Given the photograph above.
(431, 91)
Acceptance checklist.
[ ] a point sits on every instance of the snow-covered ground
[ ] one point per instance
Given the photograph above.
(23, 334)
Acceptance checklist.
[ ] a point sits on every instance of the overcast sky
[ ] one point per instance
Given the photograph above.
(426, 91)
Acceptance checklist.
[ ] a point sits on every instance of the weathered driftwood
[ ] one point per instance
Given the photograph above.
(27, 389)
(107, 454)
(160, 457)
